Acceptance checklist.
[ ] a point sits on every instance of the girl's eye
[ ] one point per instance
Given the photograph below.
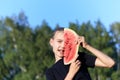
(59, 41)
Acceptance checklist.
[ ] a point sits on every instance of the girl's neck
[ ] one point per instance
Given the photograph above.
(57, 59)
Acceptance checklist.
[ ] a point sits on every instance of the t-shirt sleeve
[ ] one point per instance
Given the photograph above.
(87, 59)
(49, 74)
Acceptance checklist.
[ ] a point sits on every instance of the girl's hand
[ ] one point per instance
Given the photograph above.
(82, 42)
(74, 67)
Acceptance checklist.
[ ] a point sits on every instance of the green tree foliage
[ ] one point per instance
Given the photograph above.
(26, 53)
(116, 75)
(115, 32)
(3, 48)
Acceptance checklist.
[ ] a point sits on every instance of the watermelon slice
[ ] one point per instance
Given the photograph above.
(71, 47)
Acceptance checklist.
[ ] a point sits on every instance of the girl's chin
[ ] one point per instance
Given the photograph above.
(61, 54)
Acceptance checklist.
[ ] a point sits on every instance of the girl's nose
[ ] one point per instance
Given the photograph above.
(62, 45)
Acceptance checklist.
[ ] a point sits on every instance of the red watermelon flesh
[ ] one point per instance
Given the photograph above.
(71, 46)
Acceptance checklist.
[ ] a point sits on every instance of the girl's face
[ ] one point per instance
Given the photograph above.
(57, 44)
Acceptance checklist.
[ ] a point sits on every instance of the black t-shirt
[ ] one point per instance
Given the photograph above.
(59, 71)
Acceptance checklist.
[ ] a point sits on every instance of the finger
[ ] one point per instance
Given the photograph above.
(76, 41)
(80, 39)
(78, 62)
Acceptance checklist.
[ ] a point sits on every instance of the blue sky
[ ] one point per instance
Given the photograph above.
(63, 11)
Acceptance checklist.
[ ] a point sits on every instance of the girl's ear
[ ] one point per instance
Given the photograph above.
(51, 42)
